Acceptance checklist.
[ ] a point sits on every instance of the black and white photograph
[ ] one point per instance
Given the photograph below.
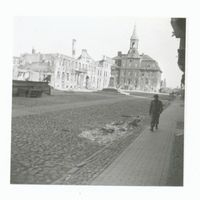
(98, 101)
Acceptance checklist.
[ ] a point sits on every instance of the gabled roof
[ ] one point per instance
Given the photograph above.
(85, 55)
(152, 65)
(120, 57)
(146, 57)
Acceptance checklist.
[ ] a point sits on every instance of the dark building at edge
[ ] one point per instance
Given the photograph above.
(179, 31)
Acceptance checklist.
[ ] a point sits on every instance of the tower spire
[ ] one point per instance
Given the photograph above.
(134, 43)
(73, 48)
(134, 35)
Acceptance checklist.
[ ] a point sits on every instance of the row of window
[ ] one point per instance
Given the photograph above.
(105, 73)
(135, 81)
(130, 65)
(63, 75)
(77, 65)
(67, 77)
(133, 73)
(82, 66)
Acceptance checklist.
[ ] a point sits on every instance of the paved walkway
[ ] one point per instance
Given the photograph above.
(147, 160)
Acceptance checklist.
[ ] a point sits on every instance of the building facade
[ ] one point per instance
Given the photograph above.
(179, 31)
(63, 72)
(134, 71)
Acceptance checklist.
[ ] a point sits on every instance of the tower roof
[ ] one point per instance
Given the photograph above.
(134, 34)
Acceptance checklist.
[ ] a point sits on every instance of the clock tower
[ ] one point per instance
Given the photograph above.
(134, 43)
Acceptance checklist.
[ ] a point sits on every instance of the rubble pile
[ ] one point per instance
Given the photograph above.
(113, 131)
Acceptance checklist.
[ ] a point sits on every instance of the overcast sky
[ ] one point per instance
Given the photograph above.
(100, 36)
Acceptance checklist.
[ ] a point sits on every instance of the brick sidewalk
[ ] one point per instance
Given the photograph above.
(147, 160)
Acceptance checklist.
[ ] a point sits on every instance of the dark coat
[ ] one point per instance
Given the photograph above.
(156, 107)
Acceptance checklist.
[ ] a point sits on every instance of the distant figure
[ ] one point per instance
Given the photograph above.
(156, 108)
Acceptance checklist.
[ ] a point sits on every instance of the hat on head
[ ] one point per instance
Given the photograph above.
(155, 96)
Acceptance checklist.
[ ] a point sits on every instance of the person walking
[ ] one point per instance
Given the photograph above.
(156, 107)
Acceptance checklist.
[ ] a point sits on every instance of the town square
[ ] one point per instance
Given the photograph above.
(110, 119)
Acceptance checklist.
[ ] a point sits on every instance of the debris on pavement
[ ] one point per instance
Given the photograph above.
(113, 130)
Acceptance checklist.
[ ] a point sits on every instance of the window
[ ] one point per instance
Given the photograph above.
(58, 75)
(67, 76)
(63, 76)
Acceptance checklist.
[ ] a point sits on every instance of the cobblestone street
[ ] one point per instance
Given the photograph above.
(45, 137)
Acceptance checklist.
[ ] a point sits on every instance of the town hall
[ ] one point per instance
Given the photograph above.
(134, 71)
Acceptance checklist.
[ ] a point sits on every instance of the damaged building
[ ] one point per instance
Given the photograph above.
(136, 71)
(63, 72)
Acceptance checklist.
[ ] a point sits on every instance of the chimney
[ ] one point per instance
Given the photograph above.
(84, 50)
(119, 53)
(73, 48)
(33, 51)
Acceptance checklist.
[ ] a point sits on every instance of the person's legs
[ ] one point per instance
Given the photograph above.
(157, 121)
(152, 122)
(152, 126)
